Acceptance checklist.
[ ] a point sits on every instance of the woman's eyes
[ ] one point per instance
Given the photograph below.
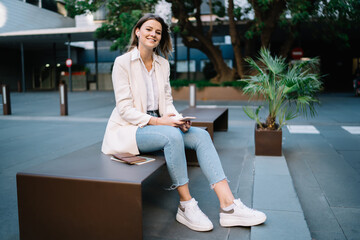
(149, 29)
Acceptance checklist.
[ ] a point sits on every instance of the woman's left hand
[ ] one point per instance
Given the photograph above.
(185, 127)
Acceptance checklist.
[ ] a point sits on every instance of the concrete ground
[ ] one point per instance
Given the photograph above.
(322, 166)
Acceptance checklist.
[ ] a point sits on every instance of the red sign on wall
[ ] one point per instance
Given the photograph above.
(297, 53)
(68, 62)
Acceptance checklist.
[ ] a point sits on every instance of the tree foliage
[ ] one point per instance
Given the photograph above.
(337, 18)
(122, 17)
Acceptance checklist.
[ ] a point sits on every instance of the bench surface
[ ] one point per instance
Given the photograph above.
(204, 114)
(90, 164)
(215, 119)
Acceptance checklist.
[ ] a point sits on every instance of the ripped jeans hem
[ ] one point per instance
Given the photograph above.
(175, 186)
(212, 186)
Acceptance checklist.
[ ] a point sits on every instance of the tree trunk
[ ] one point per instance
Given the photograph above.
(270, 122)
(194, 36)
(235, 40)
(285, 49)
(267, 18)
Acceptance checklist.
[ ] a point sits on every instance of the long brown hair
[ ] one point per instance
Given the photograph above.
(165, 46)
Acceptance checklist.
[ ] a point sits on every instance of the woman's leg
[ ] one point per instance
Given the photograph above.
(153, 138)
(224, 194)
(233, 212)
(200, 140)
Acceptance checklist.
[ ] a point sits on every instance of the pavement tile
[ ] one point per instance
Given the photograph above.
(266, 165)
(341, 190)
(327, 235)
(281, 225)
(353, 158)
(318, 214)
(273, 187)
(239, 233)
(275, 193)
(351, 142)
(329, 163)
(349, 219)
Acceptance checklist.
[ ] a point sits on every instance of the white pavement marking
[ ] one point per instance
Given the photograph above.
(307, 129)
(50, 118)
(352, 129)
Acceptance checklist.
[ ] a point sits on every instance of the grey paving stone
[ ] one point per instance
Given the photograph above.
(273, 188)
(329, 163)
(275, 193)
(266, 165)
(281, 225)
(344, 143)
(341, 190)
(318, 214)
(239, 233)
(328, 235)
(353, 158)
(313, 144)
(349, 219)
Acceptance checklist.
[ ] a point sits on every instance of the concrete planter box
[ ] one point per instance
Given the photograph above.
(211, 93)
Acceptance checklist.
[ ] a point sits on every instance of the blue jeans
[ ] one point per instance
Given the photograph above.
(153, 138)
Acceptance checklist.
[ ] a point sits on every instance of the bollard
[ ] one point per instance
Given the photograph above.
(6, 99)
(192, 95)
(63, 99)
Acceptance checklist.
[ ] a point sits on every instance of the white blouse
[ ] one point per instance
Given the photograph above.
(151, 84)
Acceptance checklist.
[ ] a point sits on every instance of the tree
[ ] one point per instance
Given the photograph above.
(298, 12)
(267, 14)
(194, 35)
(121, 18)
(338, 17)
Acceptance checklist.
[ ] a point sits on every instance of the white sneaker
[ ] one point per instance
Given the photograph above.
(192, 217)
(241, 215)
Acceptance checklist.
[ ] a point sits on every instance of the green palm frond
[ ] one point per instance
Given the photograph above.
(275, 65)
(289, 89)
(254, 114)
(254, 65)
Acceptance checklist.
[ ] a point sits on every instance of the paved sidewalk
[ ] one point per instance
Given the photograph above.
(324, 167)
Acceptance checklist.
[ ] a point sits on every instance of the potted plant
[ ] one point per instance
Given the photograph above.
(289, 91)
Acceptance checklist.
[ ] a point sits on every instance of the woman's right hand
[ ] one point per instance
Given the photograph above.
(169, 120)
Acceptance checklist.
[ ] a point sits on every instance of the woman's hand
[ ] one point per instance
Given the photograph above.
(185, 127)
(166, 120)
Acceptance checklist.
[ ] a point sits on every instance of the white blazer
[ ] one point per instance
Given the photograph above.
(131, 101)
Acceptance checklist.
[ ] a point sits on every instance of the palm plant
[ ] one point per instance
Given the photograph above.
(289, 90)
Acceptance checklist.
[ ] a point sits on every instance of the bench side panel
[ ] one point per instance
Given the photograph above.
(63, 208)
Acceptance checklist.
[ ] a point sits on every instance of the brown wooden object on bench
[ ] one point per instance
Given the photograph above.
(83, 195)
(215, 119)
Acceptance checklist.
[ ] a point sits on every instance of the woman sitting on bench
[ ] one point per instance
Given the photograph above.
(145, 120)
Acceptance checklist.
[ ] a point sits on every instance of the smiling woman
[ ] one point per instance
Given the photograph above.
(145, 120)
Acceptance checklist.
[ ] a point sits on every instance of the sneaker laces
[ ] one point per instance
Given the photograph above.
(195, 207)
(239, 203)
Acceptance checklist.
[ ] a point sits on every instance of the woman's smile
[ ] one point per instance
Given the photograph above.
(150, 34)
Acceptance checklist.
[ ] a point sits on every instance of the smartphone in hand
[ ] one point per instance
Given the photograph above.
(188, 118)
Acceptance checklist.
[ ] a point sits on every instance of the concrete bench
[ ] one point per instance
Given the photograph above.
(83, 195)
(214, 119)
